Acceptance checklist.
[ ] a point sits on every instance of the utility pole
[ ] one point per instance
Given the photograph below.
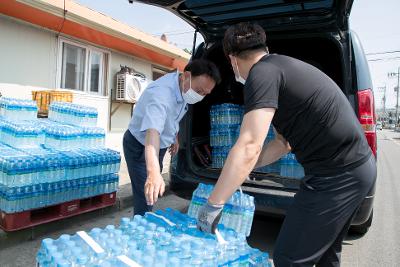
(391, 75)
(397, 96)
(383, 89)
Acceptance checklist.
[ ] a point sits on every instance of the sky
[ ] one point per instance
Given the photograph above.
(374, 21)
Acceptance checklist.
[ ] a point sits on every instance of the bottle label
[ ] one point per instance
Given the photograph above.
(219, 237)
(128, 261)
(162, 218)
(96, 247)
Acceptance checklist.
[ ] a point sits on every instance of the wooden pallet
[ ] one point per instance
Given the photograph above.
(21, 220)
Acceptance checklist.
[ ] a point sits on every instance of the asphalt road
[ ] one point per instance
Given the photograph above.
(379, 247)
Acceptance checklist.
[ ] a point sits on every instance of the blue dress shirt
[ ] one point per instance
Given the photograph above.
(160, 107)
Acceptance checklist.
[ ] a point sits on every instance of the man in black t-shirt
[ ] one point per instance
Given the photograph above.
(315, 121)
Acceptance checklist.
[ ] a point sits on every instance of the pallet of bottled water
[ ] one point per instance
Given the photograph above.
(19, 199)
(163, 238)
(36, 178)
(48, 162)
(237, 213)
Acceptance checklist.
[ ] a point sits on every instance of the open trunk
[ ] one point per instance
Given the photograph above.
(322, 52)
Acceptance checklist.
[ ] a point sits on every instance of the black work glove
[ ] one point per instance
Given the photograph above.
(208, 218)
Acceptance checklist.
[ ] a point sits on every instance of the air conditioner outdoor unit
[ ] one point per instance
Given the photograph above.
(130, 86)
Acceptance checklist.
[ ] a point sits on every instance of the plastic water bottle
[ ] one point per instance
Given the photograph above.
(191, 210)
(237, 211)
(285, 166)
(197, 258)
(298, 171)
(249, 214)
(124, 224)
(210, 257)
(293, 165)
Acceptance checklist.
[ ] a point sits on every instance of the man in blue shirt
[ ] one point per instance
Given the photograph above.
(155, 125)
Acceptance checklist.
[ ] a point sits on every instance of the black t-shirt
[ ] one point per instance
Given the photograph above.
(312, 113)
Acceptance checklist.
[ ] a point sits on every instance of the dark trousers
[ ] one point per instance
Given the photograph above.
(136, 162)
(317, 222)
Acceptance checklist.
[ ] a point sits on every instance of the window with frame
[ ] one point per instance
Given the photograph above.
(83, 68)
(158, 73)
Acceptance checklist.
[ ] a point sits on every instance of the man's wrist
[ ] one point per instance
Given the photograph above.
(153, 169)
(153, 173)
(215, 203)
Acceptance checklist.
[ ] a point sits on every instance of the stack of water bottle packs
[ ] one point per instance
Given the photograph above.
(237, 214)
(290, 167)
(225, 128)
(73, 114)
(160, 239)
(225, 122)
(45, 162)
(15, 109)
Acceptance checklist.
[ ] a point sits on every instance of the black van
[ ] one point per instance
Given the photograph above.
(315, 31)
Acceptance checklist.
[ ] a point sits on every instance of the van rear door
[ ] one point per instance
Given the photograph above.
(213, 17)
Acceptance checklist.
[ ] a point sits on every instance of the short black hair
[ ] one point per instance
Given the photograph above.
(199, 67)
(244, 37)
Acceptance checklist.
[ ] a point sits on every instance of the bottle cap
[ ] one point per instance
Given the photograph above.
(65, 237)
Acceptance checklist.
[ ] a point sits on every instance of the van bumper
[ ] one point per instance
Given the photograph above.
(270, 201)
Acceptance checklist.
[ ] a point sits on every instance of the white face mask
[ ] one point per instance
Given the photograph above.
(191, 96)
(239, 78)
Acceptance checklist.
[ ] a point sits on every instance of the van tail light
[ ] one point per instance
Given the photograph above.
(367, 117)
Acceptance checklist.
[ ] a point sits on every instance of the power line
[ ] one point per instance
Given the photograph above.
(186, 44)
(63, 21)
(180, 33)
(191, 32)
(174, 31)
(382, 59)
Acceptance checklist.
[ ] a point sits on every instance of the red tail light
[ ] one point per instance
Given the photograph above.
(366, 116)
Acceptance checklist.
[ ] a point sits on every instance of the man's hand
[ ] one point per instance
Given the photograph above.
(173, 149)
(154, 187)
(208, 217)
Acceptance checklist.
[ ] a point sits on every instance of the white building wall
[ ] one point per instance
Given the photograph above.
(28, 62)
(27, 55)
